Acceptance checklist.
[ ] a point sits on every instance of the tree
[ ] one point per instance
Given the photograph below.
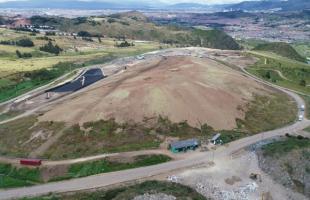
(19, 54)
(268, 75)
(23, 55)
(25, 43)
(99, 39)
(303, 83)
(50, 48)
(125, 44)
(84, 34)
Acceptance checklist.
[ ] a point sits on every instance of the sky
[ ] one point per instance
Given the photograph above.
(166, 1)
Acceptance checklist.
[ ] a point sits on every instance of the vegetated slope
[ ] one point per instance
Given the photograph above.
(134, 25)
(158, 188)
(282, 49)
(288, 162)
(282, 71)
(215, 39)
(196, 90)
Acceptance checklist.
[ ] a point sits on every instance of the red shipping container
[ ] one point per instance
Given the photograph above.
(31, 162)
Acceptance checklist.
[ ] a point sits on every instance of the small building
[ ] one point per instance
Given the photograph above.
(184, 145)
(216, 139)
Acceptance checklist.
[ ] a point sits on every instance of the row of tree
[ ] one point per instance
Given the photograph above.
(22, 42)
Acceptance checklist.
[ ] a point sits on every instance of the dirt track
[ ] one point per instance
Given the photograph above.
(198, 90)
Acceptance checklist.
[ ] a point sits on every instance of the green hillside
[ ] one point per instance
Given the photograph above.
(215, 39)
(134, 25)
(282, 49)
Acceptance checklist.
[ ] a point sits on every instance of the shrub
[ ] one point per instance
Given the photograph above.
(303, 83)
(22, 43)
(23, 55)
(111, 21)
(84, 34)
(25, 43)
(50, 33)
(50, 48)
(125, 44)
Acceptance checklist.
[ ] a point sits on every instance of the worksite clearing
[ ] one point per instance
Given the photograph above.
(187, 88)
(181, 87)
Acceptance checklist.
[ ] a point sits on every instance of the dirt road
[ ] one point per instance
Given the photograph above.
(102, 180)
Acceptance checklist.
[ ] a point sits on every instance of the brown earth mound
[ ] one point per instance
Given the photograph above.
(181, 88)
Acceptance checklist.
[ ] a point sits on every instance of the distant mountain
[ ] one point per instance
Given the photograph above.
(70, 4)
(106, 4)
(187, 6)
(197, 6)
(285, 5)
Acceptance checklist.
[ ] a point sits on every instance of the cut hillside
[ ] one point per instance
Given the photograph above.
(282, 49)
(181, 88)
(287, 161)
(134, 25)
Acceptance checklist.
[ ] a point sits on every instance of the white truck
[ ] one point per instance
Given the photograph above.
(302, 107)
(300, 117)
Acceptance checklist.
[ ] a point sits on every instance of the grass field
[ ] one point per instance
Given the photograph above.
(303, 48)
(130, 192)
(11, 176)
(105, 166)
(102, 137)
(264, 113)
(14, 65)
(282, 71)
(20, 137)
(17, 177)
(76, 52)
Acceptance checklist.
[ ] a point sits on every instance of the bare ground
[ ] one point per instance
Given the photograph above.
(198, 90)
(229, 179)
